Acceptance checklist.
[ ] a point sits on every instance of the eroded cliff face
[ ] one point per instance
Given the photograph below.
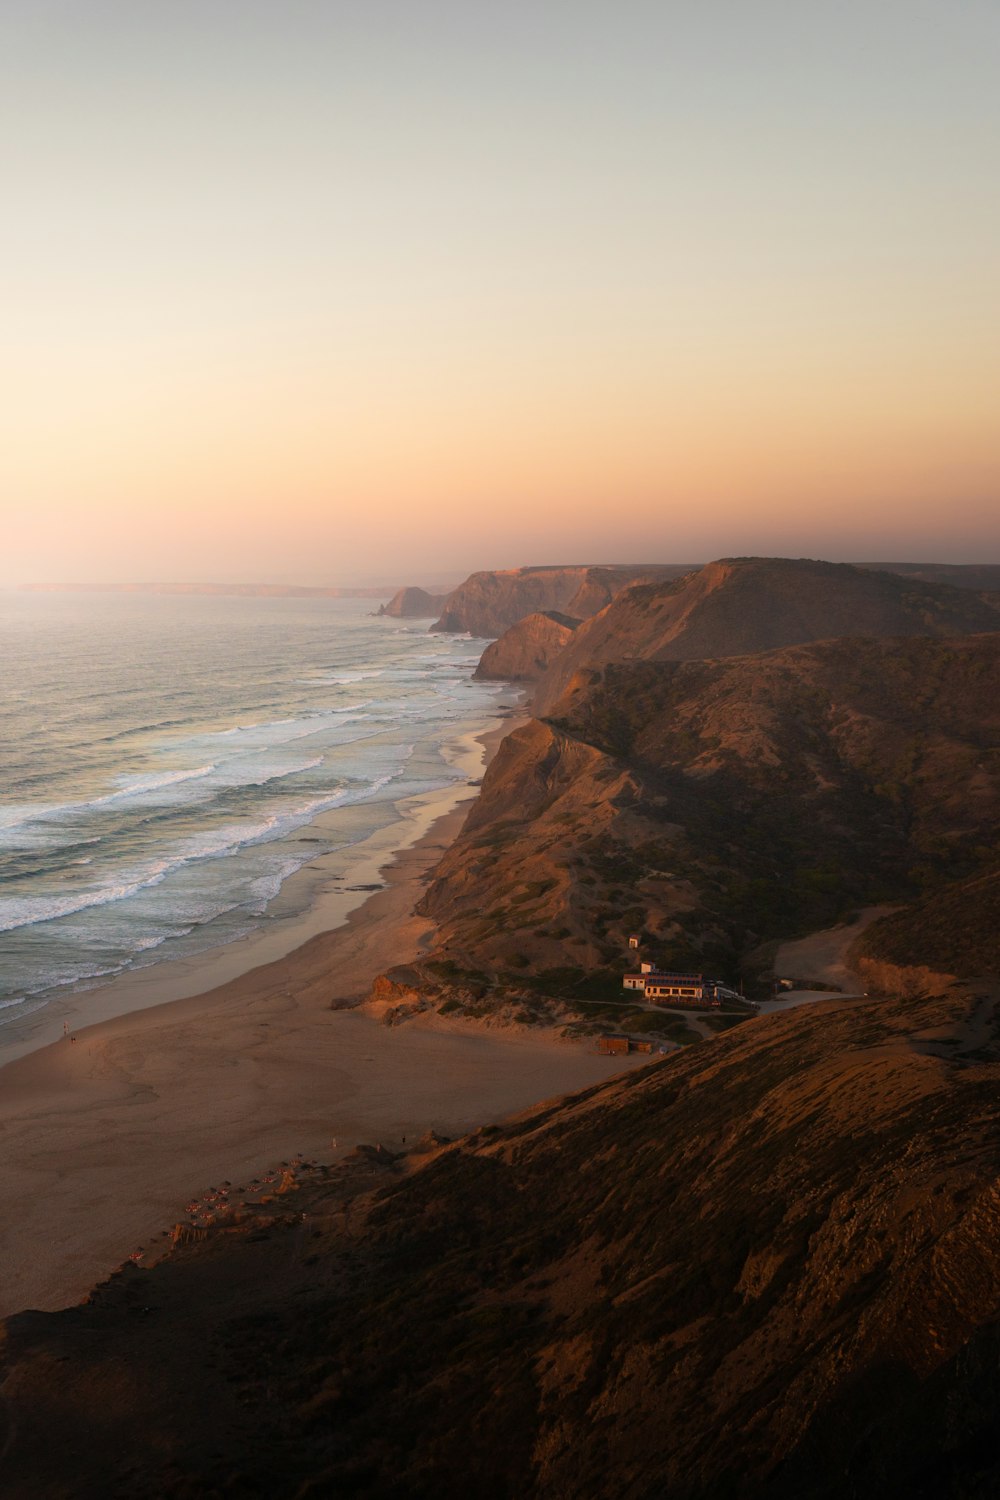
(766, 1267)
(488, 603)
(414, 604)
(527, 649)
(741, 606)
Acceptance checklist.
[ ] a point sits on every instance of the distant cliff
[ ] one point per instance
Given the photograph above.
(414, 604)
(488, 603)
(527, 649)
(743, 605)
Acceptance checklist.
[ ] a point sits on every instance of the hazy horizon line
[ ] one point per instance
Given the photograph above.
(452, 577)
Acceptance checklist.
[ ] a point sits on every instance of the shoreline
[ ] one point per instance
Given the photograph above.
(105, 1139)
(329, 904)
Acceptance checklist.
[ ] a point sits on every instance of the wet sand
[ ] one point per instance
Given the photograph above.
(104, 1139)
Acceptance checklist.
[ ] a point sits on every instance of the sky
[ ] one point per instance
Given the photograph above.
(330, 291)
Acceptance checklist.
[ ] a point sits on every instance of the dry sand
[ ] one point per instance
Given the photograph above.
(104, 1139)
(822, 956)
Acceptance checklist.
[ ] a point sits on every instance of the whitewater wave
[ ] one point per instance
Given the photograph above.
(155, 789)
(203, 748)
(32, 911)
(347, 679)
(145, 944)
(19, 816)
(269, 734)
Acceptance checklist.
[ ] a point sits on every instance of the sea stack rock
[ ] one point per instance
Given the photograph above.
(414, 604)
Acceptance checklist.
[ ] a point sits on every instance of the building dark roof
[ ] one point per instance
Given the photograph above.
(664, 975)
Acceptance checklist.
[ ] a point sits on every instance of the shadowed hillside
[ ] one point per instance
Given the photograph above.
(713, 806)
(767, 1267)
(744, 605)
(955, 931)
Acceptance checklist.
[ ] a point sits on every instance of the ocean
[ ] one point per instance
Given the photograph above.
(164, 760)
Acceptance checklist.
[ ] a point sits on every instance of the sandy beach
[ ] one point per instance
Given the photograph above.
(103, 1139)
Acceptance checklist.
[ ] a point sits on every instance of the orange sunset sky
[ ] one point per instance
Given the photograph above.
(334, 292)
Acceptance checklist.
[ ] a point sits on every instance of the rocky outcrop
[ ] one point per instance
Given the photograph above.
(527, 649)
(414, 604)
(768, 1266)
(487, 604)
(738, 606)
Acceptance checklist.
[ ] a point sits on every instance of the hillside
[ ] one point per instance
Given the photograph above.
(983, 577)
(527, 649)
(488, 603)
(768, 1267)
(738, 606)
(713, 806)
(955, 931)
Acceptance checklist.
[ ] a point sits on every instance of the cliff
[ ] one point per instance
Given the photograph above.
(767, 1267)
(414, 604)
(738, 606)
(487, 604)
(527, 649)
(712, 806)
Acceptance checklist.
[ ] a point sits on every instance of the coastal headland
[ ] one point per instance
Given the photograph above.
(764, 1265)
(594, 822)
